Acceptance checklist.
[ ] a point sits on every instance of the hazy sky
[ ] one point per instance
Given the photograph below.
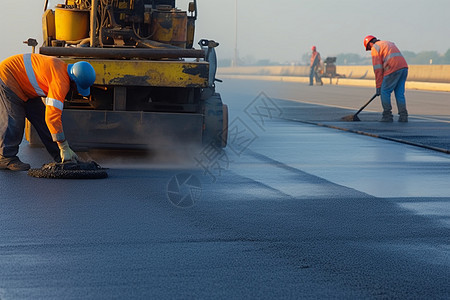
(282, 30)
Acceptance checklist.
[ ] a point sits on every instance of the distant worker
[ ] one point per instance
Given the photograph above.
(315, 67)
(24, 79)
(391, 71)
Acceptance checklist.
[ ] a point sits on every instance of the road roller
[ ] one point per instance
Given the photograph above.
(155, 84)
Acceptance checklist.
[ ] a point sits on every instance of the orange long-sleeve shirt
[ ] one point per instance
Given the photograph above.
(386, 59)
(315, 59)
(35, 75)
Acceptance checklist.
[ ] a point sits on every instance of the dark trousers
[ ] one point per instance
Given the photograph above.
(13, 112)
(313, 74)
(394, 82)
(35, 113)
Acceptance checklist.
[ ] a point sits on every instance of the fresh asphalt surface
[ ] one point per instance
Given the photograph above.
(291, 209)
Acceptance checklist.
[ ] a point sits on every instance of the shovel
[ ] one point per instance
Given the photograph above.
(355, 116)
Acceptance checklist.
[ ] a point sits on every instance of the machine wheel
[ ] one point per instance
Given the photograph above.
(215, 122)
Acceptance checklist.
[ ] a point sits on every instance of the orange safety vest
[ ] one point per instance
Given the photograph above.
(35, 75)
(315, 55)
(386, 59)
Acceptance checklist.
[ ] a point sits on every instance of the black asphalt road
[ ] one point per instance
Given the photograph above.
(289, 210)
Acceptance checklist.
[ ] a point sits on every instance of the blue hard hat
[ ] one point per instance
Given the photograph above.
(83, 74)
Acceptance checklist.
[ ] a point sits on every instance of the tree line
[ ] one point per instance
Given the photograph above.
(343, 59)
(421, 58)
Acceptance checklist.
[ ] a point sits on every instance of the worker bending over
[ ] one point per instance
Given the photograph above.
(24, 79)
(391, 71)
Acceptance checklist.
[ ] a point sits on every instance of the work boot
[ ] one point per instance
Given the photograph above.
(387, 118)
(403, 118)
(403, 114)
(13, 164)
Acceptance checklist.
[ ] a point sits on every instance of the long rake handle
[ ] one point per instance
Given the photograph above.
(364, 106)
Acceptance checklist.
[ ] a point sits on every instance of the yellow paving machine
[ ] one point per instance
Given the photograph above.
(153, 88)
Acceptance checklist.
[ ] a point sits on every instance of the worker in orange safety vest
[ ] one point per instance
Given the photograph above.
(25, 81)
(391, 71)
(314, 67)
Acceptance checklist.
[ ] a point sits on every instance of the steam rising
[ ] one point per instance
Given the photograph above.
(151, 158)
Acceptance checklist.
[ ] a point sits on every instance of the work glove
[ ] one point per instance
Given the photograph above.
(378, 92)
(66, 153)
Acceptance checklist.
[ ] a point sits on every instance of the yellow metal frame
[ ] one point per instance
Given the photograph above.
(149, 73)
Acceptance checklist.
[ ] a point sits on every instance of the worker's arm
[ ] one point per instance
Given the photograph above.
(377, 62)
(53, 112)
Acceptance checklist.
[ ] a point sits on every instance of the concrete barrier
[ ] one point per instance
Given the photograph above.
(421, 77)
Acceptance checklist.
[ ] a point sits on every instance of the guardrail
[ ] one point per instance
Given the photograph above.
(421, 77)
